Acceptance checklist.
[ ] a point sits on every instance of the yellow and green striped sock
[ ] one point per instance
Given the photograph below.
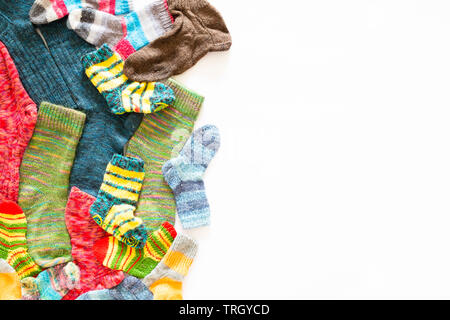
(13, 243)
(136, 262)
(113, 210)
(44, 182)
(104, 68)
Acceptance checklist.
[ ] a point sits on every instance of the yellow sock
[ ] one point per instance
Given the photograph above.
(9, 282)
(167, 289)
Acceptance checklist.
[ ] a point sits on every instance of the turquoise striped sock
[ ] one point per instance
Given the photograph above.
(184, 175)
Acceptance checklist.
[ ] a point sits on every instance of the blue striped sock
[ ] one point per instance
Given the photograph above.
(184, 174)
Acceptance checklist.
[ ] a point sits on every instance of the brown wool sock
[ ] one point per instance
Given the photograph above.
(198, 29)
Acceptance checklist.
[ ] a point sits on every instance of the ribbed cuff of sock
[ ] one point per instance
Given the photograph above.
(128, 163)
(164, 14)
(187, 246)
(61, 119)
(186, 4)
(186, 101)
(95, 57)
(195, 220)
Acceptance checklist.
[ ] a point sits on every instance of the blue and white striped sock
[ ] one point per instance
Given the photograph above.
(124, 34)
(184, 174)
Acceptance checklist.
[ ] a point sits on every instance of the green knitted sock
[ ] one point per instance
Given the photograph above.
(159, 138)
(44, 182)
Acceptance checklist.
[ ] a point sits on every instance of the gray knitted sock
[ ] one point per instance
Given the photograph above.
(165, 281)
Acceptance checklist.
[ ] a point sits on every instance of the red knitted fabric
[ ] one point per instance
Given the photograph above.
(84, 231)
(18, 114)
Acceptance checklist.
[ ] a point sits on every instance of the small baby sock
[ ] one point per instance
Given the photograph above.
(84, 232)
(165, 281)
(198, 29)
(116, 201)
(13, 243)
(130, 288)
(125, 34)
(9, 282)
(44, 182)
(136, 262)
(184, 174)
(51, 284)
(46, 11)
(104, 68)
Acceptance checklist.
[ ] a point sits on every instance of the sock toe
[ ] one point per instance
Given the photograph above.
(10, 207)
(136, 238)
(163, 94)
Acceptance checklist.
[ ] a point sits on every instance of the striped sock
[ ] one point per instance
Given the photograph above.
(104, 68)
(116, 201)
(46, 11)
(44, 182)
(13, 243)
(125, 34)
(159, 138)
(136, 262)
(166, 280)
(51, 284)
(184, 174)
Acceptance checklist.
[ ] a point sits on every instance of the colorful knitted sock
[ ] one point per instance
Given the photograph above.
(46, 11)
(125, 34)
(130, 288)
(84, 232)
(184, 174)
(18, 115)
(158, 139)
(104, 68)
(166, 280)
(136, 262)
(117, 199)
(9, 282)
(51, 284)
(44, 182)
(13, 243)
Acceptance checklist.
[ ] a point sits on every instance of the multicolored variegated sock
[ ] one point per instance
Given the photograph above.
(136, 262)
(51, 284)
(46, 11)
(104, 68)
(116, 201)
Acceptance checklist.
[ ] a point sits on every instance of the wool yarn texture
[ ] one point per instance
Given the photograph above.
(184, 174)
(104, 68)
(137, 262)
(44, 182)
(125, 34)
(46, 11)
(130, 288)
(198, 29)
(166, 280)
(18, 115)
(13, 243)
(116, 201)
(48, 59)
(52, 283)
(159, 138)
(10, 288)
(84, 232)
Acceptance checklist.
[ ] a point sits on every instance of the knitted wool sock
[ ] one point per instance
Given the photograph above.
(166, 279)
(51, 284)
(184, 174)
(9, 282)
(104, 68)
(117, 198)
(130, 288)
(46, 11)
(44, 182)
(156, 141)
(125, 34)
(17, 120)
(13, 243)
(198, 29)
(136, 262)
(84, 232)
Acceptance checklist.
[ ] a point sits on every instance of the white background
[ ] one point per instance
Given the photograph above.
(333, 178)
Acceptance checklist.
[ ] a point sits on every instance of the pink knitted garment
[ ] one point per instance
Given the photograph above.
(84, 232)
(18, 114)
